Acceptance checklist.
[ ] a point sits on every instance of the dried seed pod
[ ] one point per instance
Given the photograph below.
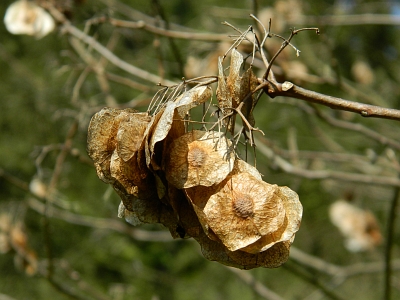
(243, 167)
(130, 134)
(242, 211)
(188, 222)
(215, 250)
(228, 86)
(271, 258)
(233, 89)
(129, 176)
(286, 232)
(182, 105)
(199, 195)
(137, 211)
(101, 140)
(248, 84)
(116, 171)
(199, 158)
(148, 134)
(129, 216)
(163, 126)
(192, 98)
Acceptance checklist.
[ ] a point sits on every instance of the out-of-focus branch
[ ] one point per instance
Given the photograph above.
(14, 180)
(97, 67)
(325, 20)
(65, 289)
(78, 84)
(288, 89)
(133, 14)
(6, 297)
(111, 57)
(389, 244)
(75, 287)
(360, 161)
(303, 274)
(358, 128)
(128, 82)
(101, 223)
(115, 60)
(257, 286)
(75, 277)
(116, 225)
(50, 190)
(324, 174)
(62, 156)
(323, 266)
(210, 37)
(346, 20)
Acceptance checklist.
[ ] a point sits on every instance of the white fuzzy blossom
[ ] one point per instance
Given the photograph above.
(358, 226)
(25, 17)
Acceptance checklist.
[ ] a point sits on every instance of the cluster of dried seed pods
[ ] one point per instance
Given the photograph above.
(192, 181)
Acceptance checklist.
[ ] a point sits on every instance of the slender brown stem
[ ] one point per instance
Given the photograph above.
(162, 31)
(377, 136)
(346, 20)
(288, 89)
(256, 285)
(389, 244)
(312, 279)
(324, 174)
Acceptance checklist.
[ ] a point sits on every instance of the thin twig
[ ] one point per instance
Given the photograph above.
(325, 267)
(62, 156)
(350, 20)
(389, 244)
(211, 37)
(285, 43)
(256, 285)
(379, 137)
(175, 49)
(288, 89)
(268, 74)
(111, 57)
(312, 279)
(101, 223)
(324, 174)
(129, 82)
(50, 190)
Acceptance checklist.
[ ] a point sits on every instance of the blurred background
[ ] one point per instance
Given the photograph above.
(60, 236)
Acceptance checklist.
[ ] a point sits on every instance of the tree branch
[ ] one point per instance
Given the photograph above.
(358, 128)
(210, 37)
(101, 223)
(389, 244)
(346, 20)
(324, 174)
(288, 89)
(323, 266)
(111, 57)
(257, 286)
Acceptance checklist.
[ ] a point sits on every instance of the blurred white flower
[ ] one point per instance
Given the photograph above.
(38, 188)
(358, 226)
(25, 17)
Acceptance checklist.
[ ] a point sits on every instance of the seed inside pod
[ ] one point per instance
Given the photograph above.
(243, 205)
(198, 158)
